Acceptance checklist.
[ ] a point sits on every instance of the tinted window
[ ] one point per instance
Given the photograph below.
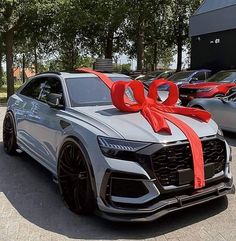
(52, 85)
(33, 88)
(200, 76)
(181, 75)
(223, 76)
(89, 91)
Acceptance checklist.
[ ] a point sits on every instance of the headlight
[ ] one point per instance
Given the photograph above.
(220, 132)
(204, 90)
(120, 149)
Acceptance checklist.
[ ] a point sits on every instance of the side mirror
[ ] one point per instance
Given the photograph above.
(194, 80)
(224, 99)
(53, 100)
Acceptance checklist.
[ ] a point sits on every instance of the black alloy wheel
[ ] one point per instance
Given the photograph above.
(74, 179)
(9, 135)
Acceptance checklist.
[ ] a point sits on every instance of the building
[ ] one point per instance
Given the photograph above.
(213, 35)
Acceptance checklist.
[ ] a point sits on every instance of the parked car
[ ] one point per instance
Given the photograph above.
(111, 161)
(149, 75)
(216, 86)
(147, 80)
(188, 76)
(223, 109)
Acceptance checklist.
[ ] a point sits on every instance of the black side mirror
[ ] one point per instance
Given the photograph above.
(54, 100)
(194, 80)
(224, 99)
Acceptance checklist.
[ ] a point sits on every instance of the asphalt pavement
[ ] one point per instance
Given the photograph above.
(31, 209)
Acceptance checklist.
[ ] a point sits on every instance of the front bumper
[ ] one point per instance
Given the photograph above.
(132, 192)
(176, 203)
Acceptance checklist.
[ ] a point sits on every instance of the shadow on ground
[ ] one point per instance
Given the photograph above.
(30, 190)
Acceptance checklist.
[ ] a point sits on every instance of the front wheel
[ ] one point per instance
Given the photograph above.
(9, 134)
(74, 179)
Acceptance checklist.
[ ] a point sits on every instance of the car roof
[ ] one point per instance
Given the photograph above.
(76, 75)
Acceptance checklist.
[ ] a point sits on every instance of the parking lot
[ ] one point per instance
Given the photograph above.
(31, 209)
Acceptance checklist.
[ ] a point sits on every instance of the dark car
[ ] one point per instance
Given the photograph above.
(190, 76)
(147, 79)
(216, 86)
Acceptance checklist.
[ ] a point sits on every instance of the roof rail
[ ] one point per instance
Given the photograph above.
(50, 72)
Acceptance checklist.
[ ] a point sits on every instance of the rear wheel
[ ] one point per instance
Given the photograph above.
(74, 179)
(9, 135)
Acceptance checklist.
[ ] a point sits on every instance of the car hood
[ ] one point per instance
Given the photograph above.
(206, 85)
(133, 126)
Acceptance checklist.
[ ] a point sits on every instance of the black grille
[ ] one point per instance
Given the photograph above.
(187, 91)
(167, 161)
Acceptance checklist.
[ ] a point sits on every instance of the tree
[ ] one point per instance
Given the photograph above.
(179, 14)
(146, 29)
(15, 16)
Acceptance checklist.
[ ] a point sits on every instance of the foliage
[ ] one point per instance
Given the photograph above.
(63, 34)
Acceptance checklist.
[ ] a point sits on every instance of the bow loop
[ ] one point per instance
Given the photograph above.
(173, 91)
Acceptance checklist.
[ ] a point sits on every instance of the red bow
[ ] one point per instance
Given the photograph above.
(157, 114)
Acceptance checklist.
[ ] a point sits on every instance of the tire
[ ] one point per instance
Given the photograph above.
(74, 179)
(9, 134)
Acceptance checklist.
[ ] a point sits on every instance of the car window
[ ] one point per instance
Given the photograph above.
(200, 75)
(223, 76)
(52, 85)
(91, 91)
(180, 75)
(33, 88)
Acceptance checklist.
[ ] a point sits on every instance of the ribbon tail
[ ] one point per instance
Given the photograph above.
(157, 122)
(202, 115)
(196, 149)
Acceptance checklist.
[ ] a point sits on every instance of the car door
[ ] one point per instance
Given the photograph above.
(228, 114)
(24, 109)
(42, 123)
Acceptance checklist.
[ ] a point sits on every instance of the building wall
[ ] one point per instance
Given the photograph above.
(215, 51)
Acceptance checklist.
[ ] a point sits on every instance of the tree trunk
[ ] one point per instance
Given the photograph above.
(140, 44)
(23, 68)
(109, 44)
(35, 60)
(179, 54)
(155, 57)
(179, 44)
(9, 60)
(1, 73)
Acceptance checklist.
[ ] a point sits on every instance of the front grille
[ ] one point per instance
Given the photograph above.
(187, 91)
(167, 161)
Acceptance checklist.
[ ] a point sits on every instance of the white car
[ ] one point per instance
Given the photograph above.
(106, 160)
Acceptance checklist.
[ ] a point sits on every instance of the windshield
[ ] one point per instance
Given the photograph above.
(223, 76)
(180, 75)
(91, 91)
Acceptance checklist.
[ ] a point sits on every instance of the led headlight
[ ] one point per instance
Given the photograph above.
(204, 90)
(220, 132)
(120, 149)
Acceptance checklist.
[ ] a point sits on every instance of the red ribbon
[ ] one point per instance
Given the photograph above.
(158, 113)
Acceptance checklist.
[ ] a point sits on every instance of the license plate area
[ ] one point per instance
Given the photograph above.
(186, 175)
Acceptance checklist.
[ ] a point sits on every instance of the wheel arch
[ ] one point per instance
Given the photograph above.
(87, 158)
